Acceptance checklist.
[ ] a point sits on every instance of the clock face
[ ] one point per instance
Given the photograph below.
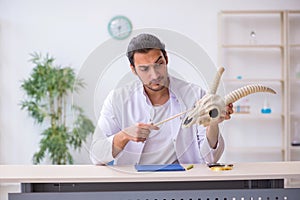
(119, 27)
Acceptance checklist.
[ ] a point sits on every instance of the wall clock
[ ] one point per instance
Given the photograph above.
(119, 27)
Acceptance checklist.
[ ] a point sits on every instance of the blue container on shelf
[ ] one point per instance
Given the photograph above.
(266, 108)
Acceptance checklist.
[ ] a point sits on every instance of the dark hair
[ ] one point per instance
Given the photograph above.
(143, 43)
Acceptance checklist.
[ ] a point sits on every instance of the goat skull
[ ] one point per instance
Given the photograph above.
(212, 106)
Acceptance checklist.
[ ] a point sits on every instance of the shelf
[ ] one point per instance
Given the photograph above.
(245, 80)
(295, 148)
(255, 149)
(270, 116)
(262, 46)
(242, 12)
(294, 45)
(293, 11)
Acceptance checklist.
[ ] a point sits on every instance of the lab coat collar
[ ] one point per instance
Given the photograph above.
(175, 88)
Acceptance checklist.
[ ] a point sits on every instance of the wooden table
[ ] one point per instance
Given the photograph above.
(115, 182)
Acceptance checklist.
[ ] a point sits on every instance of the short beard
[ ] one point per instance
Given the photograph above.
(155, 90)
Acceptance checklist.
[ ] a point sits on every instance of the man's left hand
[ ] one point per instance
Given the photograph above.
(229, 111)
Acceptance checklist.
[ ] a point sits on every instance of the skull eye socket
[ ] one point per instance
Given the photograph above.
(213, 113)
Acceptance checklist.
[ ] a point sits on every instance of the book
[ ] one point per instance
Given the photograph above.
(153, 168)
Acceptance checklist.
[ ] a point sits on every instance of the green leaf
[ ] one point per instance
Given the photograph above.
(35, 110)
(82, 128)
(47, 90)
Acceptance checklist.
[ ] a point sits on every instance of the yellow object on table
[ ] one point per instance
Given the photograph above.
(222, 168)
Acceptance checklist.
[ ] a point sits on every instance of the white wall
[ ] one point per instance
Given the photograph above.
(70, 30)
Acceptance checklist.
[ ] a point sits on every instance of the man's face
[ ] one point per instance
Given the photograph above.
(151, 68)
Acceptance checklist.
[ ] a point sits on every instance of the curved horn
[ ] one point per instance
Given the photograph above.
(244, 91)
(216, 82)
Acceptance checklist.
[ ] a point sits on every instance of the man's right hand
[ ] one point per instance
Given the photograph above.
(139, 132)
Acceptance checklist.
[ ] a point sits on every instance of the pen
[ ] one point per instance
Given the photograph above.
(189, 167)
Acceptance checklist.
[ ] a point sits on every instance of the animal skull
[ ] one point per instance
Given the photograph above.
(211, 106)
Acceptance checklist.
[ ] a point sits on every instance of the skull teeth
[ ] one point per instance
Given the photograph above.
(187, 120)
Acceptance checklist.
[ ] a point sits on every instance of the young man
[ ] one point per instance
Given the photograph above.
(126, 133)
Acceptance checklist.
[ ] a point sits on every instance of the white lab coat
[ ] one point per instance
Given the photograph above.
(128, 105)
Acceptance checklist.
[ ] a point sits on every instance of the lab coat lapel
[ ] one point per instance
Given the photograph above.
(177, 106)
(176, 123)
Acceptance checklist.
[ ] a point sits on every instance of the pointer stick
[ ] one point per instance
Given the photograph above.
(173, 117)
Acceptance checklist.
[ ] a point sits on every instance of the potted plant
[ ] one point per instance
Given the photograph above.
(48, 101)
